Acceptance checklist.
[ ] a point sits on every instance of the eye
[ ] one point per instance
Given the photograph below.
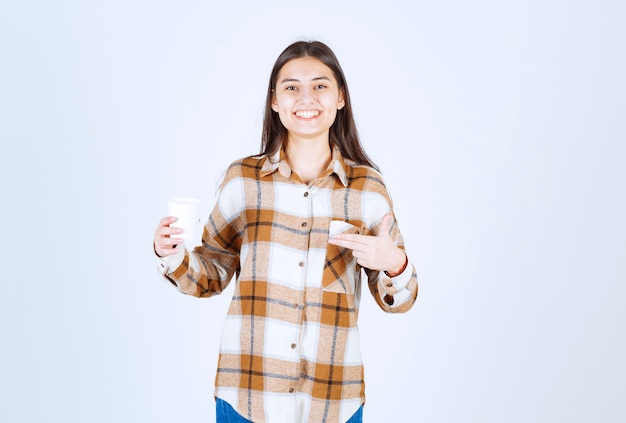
(320, 86)
(291, 88)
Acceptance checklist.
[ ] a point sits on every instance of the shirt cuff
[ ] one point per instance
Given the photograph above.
(170, 263)
(398, 283)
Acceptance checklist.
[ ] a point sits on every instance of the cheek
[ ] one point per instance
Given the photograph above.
(333, 102)
(282, 104)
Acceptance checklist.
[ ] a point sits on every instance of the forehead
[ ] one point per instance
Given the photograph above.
(305, 69)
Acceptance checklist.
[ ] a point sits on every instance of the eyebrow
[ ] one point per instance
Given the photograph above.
(319, 78)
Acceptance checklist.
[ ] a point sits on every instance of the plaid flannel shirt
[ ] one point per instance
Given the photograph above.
(290, 350)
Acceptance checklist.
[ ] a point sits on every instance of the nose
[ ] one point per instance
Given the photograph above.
(306, 95)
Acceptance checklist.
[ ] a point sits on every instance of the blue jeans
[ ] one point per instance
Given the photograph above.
(224, 413)
(227, 414)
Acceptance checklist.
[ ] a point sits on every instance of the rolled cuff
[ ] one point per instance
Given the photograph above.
(167, 265)
(398, 283)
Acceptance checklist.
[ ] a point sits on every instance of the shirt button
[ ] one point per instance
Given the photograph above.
(301, 264)
(306, 194)
(293, 346)
(296, 306)
(290, 390)
(304, 224)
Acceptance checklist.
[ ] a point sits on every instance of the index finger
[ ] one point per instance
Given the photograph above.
(351, 241)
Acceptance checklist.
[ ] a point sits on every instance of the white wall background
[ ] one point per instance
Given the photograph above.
(499, 127)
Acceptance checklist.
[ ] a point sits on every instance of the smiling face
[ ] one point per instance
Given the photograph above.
(307, 97)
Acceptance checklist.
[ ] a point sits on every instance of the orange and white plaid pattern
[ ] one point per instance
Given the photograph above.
(290, 344)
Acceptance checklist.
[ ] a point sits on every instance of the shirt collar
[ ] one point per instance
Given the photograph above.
(278, 162)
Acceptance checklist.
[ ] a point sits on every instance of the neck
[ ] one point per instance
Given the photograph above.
(308, 158)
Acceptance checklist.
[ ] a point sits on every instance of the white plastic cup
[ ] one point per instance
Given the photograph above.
(186, 210)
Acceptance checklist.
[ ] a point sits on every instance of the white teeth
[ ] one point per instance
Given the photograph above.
(307, 114)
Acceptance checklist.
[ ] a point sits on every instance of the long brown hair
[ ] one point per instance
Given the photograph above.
(343, 132)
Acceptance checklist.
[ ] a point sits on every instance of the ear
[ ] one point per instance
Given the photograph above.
(341, 102)
(274, 104)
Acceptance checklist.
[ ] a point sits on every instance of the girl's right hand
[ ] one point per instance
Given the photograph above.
(164, 244)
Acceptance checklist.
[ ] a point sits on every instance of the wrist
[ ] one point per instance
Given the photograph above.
(402, 269)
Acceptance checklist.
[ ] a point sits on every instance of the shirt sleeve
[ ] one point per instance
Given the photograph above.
(170, 262)
(394, 294)
(208, 269)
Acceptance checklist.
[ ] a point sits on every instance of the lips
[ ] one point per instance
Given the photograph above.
(308, 114)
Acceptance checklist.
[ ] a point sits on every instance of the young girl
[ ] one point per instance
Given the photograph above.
(296, 225)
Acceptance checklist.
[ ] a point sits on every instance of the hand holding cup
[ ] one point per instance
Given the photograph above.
(180, 227)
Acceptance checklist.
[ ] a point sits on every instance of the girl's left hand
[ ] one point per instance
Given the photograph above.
(375, 252)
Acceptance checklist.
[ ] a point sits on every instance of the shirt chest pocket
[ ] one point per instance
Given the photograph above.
(339, 264)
